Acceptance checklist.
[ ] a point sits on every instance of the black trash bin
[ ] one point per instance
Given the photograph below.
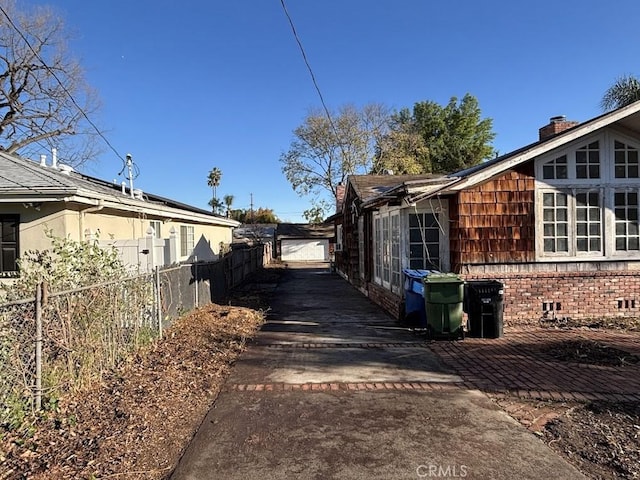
(484, 304)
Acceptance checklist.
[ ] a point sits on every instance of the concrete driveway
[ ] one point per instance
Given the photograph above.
(333, 389)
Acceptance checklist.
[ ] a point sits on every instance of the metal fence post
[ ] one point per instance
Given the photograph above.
(158, 300)
(38, 392)
(195, 274)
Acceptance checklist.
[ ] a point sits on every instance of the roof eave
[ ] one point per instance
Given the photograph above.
(410, 190)
(126, 204)
(523, 155)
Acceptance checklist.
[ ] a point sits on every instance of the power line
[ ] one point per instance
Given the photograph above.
(313, 77)
(66, 91)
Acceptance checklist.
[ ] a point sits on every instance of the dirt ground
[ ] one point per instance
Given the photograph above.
(601, 439)
(136, 423)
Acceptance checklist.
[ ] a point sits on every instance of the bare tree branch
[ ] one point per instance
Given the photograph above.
(41, 87)
(320, 157)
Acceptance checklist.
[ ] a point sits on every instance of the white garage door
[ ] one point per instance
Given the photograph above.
(305, 250)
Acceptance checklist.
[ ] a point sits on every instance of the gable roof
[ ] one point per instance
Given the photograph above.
(23, 180)
(627, 118)
(376, 189)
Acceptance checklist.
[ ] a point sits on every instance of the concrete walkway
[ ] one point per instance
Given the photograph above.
(333, 389)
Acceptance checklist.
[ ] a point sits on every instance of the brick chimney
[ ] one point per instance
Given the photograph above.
(340, 191)
(556, 125)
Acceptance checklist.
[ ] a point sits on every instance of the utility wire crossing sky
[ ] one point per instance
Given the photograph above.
(202, 84)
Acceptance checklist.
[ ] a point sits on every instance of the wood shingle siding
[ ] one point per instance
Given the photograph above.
(494, 222)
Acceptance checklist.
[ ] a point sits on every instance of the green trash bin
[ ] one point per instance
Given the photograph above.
(443, 297)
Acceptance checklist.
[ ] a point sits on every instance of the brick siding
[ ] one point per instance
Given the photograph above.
(577, 295)
(390, 302)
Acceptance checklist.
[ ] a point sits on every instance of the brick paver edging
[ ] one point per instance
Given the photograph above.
(287, 346)
(561, 396)
(344, 387)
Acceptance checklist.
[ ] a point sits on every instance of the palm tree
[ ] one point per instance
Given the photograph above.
(228, 201)
(213, 180)
(215, 204)
(623, 92)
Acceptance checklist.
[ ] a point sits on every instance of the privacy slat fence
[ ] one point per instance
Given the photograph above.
(58, 342)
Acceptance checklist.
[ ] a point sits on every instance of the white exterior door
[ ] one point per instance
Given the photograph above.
(305, 250)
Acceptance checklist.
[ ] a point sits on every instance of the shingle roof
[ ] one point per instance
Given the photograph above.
(18, 175)
(22, 177)
(303, 230)
(369, 186)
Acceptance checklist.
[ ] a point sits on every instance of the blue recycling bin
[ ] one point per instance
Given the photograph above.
(414, 305)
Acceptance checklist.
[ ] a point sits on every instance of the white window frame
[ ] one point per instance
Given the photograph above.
(440, 209)
(625, 223)
(157, 228)
(361, 244)
(395, 251)
(421, 213)
(606, 186)
(559, 223)
(627, 164)
(338, 238)
(377, 249)
(572, 222)
(187, 240)
(387, 258)
(386, 251)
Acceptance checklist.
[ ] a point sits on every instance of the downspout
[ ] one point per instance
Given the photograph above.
(95, 208)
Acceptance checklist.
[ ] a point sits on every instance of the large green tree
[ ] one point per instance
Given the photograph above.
(259, 215)
(623, 92)
(315, 215)
(324, 150)
(437, 139)
(403, 149)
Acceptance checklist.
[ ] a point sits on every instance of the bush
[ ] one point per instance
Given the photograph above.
(68, 265)
(86, 331)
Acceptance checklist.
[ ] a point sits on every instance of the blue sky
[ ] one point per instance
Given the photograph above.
(188, 86)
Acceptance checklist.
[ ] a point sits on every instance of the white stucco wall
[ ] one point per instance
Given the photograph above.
(107, 224)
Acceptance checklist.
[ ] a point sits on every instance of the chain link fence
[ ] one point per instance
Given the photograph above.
(62, 341)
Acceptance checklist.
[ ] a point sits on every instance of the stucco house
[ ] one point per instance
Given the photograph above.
(557, 222)
(147, 229)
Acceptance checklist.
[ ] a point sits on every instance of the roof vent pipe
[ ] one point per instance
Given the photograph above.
(130, 168)
(43, 160)
(54, 157)
(124, 187)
